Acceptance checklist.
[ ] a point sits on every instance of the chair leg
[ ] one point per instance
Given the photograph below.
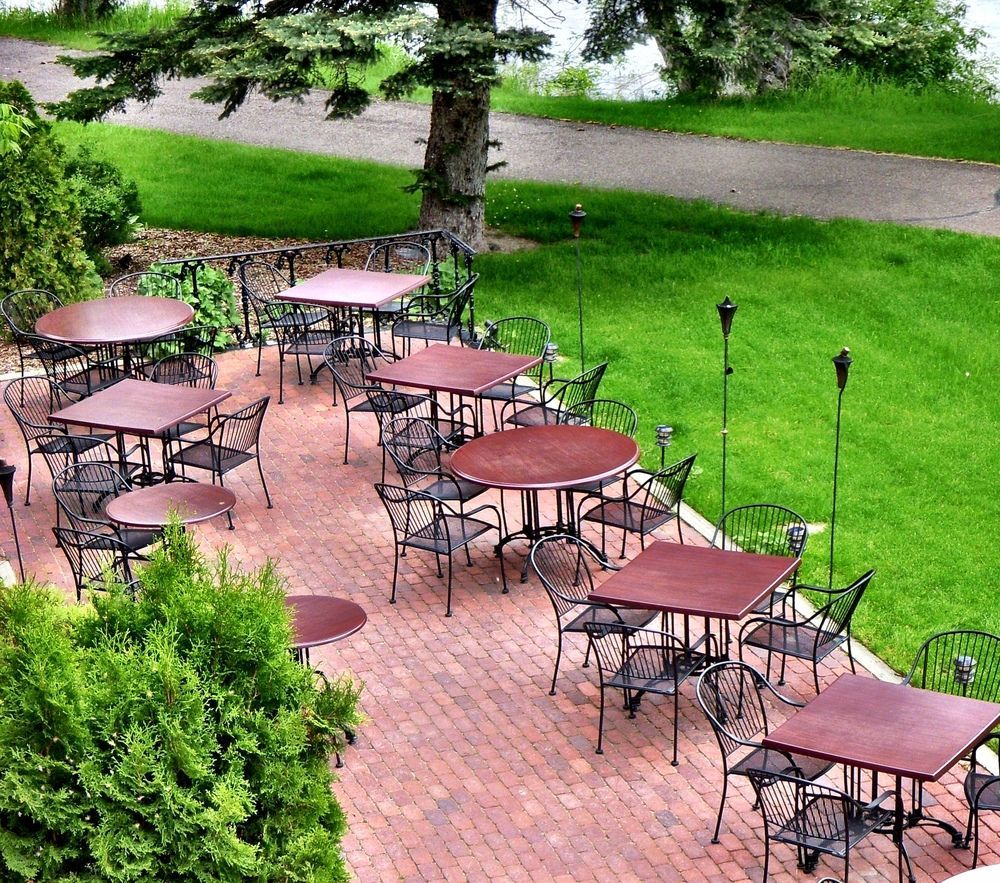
(680, 533)
(260, 350)
(555, 671)
(27, 493)
(395, 573)
(448, 612)
(677, 693)
(281, 378)
(600, 726)
(347, 432)
(722, 807)
(260, 469)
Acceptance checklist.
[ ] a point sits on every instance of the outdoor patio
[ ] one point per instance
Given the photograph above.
(467, 769)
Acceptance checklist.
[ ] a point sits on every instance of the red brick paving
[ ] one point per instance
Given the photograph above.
(467, 769)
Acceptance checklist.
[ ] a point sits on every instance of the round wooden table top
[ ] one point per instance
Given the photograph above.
(320, 619)
(151, 507)
(110, 320)
(544, 457)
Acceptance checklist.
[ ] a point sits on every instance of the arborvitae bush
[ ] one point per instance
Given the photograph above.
(167, 737)
(41, 243)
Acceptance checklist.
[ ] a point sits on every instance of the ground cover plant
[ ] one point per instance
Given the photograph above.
(170, 736)
(917, 496)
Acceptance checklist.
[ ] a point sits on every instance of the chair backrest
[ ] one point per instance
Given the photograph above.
(201, 339)
(186, 369)
(98, 561)
(614, 644)
(785, 809)
(388, 404)
(520, 335)
(764, 529)
(732, 696)
(602, 413)
(83, 490)
(415, 447)
(411, 513)
(453, 306)
(262, 281)
(562, 563)
(578, 389)
(239, 432)
(662, 491)
(22, 308)
(60, 450)
(147, 283)
(31, 400)
(350, 359)
(399, 257)
(963, 662)
(833, 618)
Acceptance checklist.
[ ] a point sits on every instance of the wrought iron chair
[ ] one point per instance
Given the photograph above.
(80, 372)
(813, 638)
(60, 450)
(200, 339)
(232, 440)
(185, 369)
(654, 500)
(434, 318)
(562, 563)
(604, 414)
(556, 397)
(83, 490)
(816, 819)
(350, 360)
(522, 336)
(419, 452)
(964, 662)
(637, 661)
(732, 695)
(397, 257)
(420, 521)
(98, 561)
(764, 529)
(20, 310)
(146, 284)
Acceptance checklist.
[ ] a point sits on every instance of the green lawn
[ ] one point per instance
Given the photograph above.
(918, 494)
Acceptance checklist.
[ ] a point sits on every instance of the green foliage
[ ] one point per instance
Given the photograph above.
(41, 245)
(109, 203)
(13, 127)
(214, 303)
(167, 738)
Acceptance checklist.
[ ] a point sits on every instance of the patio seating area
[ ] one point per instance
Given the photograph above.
(468, 769)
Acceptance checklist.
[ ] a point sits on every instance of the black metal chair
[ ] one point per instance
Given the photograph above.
(20, 310)
(816, 819)
(638, 661)
(232, 440)
(604, 414)
(147, 283)
(83, 490)
(350, 360)
(562, 563)
(964, 662)
(732, 696)
(813, 638)
(193, 370)
(420, 521)
(434, 318)
(522, 336)
(555, 397)
(654, 500)
(60, 450)
(418, 452)
(98, 561)
(397, 257)
(80, 372)
(764, 529)
(200, 339)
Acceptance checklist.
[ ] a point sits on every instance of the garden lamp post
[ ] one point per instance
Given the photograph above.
(842, 363)
(664, 435)
(576, 217)
(727, 309)
(7, 483)
(551, 356)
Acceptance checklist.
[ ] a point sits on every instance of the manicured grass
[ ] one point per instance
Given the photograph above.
(80, 33)
(918, 492)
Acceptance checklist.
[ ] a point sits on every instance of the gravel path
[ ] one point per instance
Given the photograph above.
(788, 179)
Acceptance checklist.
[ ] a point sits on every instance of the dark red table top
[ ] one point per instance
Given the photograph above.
(454, 369)
(361, 289)
(151, 506)
(138, 407)
(319, 619)
(696, 581)
(544, 457)
(109, 320)
(886, 727)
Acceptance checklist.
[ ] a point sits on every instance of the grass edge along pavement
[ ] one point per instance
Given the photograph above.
(918, 496)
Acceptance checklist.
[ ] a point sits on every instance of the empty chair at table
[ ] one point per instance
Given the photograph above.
(647, 501)
(98, 561)
(734, 697)
(563, 564)
(148, 283)
(193, 370)
(604, 414)
(522, 336)
(59, 450)
(20, 310)
(200, 339)
(635, 661)
(964, 662)
(556, 397)
(420, 521)
(434, 318)
(812, 638)
(80, 372)
(410, 258)
(233, 439)
(816, 819)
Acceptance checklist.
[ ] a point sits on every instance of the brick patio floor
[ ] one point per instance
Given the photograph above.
(467, 769)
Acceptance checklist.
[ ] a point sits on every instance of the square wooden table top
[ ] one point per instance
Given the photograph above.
(455, 369)
(696, 581)
(138, 407)
(890, 728)
(361, 289)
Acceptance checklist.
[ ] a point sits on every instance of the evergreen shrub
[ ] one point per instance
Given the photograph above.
(214, 304)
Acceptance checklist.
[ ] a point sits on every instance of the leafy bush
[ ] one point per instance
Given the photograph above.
(108, 202)
(41, 242)
(215, 303)
(172, 737)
